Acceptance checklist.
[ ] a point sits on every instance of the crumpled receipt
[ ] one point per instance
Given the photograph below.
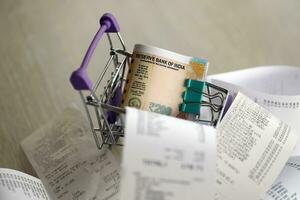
(65, 157)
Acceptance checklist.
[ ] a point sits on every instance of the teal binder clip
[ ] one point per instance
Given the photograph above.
(192, 96)
(203, 101)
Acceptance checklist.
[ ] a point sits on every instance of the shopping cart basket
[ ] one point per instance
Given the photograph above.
(104, 113)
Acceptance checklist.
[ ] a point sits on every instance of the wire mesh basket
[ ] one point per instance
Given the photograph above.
(102, 100)
(103, 110)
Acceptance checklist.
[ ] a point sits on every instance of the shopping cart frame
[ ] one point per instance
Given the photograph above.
(103, 110)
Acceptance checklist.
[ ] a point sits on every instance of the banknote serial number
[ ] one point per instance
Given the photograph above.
(158, 108)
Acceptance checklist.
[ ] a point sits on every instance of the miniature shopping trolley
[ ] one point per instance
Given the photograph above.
(102, 100)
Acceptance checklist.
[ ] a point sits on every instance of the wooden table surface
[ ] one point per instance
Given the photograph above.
(42, 42)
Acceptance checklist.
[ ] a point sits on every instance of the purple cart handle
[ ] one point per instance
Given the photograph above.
(79, 78)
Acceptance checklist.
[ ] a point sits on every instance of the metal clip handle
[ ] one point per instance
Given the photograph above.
(79, 78)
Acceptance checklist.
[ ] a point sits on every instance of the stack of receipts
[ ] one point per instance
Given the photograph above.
(161, 155)
(248, 155)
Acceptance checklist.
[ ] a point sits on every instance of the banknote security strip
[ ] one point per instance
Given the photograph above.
(203, 102)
